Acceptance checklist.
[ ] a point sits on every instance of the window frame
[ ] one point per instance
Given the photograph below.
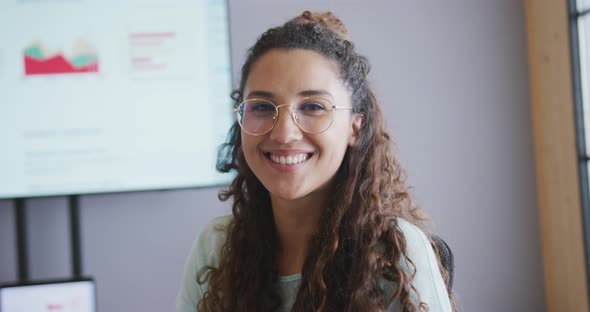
(574, 19)
(557, 161)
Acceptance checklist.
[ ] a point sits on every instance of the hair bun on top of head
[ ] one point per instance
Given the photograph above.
(326, 19)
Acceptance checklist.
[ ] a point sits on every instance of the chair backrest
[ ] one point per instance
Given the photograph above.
(446, 258)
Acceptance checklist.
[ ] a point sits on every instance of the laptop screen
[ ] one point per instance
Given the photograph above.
(56, 296)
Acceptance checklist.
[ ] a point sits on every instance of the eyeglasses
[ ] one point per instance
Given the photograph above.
(311, 115)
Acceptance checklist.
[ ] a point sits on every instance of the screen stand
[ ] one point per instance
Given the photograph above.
(73, 203)
(22, 246)
(21, 239)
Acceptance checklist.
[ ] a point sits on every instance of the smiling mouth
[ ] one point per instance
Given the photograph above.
(290, 159)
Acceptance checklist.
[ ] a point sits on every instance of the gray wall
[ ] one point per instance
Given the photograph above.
(452, 77)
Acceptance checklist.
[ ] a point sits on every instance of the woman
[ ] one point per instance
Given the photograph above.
(321, 219)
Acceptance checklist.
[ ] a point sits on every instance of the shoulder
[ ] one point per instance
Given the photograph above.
(208, 243)
(217, 223)
(205, 251)
(418, 248)
(414, 236)
(210, 240)
(427, 280)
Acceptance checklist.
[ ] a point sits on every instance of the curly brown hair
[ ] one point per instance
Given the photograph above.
(358, 241)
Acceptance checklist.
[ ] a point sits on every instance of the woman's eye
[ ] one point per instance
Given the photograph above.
(261, 107)
(311, 107)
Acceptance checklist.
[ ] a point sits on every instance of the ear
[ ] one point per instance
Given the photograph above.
(358, 122)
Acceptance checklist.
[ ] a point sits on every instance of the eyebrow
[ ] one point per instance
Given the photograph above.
(263, 94)
(270, 95)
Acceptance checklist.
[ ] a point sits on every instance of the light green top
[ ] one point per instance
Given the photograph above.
(428, 280)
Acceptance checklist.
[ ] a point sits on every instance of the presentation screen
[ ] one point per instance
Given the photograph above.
(111, 96)
(65, 296)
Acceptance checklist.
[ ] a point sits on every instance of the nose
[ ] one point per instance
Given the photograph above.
(285, 130)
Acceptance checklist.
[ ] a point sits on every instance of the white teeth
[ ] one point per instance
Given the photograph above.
(288, 160)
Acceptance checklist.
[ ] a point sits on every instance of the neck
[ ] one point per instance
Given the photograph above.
(296, 222)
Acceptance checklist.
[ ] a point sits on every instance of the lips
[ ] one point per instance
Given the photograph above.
(288, 157)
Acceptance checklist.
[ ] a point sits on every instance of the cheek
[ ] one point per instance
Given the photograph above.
(249, 148)
(341, 133)
(334, 144)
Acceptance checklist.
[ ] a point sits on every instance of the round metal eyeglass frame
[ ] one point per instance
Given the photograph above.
(293, 114)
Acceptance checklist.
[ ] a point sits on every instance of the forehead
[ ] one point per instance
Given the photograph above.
(290, 72)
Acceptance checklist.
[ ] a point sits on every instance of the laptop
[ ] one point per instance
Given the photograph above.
(77, 295)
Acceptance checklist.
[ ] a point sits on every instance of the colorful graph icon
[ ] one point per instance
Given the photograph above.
(38, 61)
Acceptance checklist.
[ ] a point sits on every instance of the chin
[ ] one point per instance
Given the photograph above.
(285, 193)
